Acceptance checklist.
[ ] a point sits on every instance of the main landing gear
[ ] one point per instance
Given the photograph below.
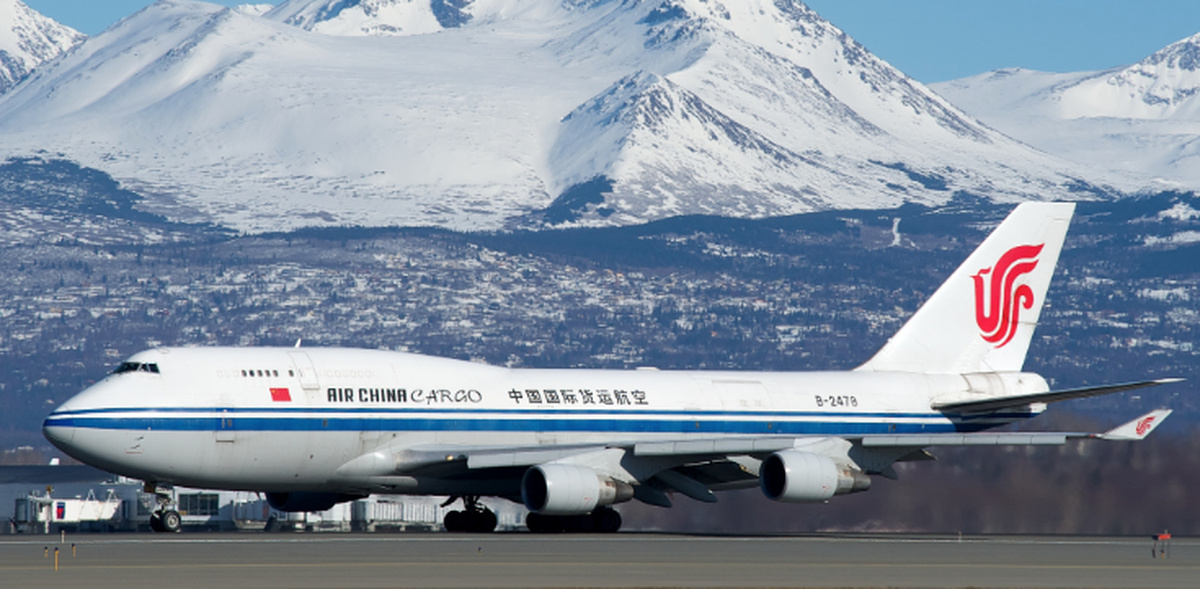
(474, 518)
(165, 518)
(604, 520)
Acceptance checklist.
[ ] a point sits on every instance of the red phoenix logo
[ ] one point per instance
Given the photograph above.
(1144, 425)
(998, 297)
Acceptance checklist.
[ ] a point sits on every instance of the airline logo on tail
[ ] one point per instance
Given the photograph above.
(998, 297)
(1143, 426)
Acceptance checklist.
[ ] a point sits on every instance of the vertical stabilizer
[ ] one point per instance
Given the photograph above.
(982, 318)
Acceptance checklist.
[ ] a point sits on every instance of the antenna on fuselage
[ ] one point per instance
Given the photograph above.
(297, 342)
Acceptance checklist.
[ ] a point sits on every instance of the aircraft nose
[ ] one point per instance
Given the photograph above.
(59, 430)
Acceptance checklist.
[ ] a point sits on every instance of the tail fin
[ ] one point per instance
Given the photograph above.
(982, 318)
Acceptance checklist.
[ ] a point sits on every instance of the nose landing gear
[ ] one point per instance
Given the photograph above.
(474, 518)
(165, 518)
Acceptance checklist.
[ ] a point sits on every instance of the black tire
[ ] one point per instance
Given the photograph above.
(171, 521)
(578, 524)
(156, 522)
(539, 524)
(483, 522)
(606, 520)
(456, 521)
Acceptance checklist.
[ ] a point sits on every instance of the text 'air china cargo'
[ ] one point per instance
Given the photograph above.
(315, 427)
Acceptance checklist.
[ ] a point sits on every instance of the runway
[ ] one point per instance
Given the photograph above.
(230, 561)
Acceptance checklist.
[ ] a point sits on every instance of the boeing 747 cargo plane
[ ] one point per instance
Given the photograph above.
(314, 427)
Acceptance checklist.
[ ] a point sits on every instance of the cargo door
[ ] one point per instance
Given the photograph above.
(305, 371)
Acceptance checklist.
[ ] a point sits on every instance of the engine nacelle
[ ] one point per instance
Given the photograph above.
(569, 489)
(307, 501)
(795, 476)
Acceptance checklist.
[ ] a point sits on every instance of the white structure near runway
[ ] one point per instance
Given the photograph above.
(121, 505)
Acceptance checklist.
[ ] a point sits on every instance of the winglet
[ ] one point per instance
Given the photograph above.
(1139, 428)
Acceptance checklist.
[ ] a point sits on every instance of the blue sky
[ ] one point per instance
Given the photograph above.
(930, 40)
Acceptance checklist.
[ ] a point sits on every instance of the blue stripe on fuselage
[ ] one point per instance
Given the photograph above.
(483, 420)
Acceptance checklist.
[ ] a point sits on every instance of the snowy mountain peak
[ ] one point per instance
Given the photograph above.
(484, 114)
(1160, 85)
(373, 17)
(1182, 55)
(1142, 119)
(29, 39)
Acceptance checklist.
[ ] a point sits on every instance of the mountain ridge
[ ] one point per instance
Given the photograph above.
(27, 40)
(298, 115)
(1142, 118)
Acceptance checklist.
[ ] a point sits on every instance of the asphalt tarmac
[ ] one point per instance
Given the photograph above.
(230, 561)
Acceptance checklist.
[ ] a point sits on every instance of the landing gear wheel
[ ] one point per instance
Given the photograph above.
(166, 521)
(603, 521)
(454, 521)
(170, 521)
(606, 520)
(475, 519)
(484, 521)
(542, 524)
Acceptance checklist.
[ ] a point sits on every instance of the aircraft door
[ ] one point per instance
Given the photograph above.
(226, 431)
(742, 395)
(305, 371)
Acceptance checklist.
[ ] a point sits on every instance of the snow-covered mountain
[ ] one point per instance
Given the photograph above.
(491, 113)
(1143, 118)
(29, 39)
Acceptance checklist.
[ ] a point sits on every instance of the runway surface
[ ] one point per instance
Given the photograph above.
(229, 561)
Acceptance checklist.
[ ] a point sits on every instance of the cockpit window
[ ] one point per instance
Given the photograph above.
(136, 367)
(127, 367)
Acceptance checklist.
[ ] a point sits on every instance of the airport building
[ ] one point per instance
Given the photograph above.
(50, 499)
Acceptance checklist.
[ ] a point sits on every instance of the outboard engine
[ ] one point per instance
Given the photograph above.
(794, 476)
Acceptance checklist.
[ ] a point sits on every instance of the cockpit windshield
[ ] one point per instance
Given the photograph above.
(136, 367)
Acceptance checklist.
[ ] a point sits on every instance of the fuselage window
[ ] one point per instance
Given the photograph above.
(274, 373)
(260, 373)
(243, 373)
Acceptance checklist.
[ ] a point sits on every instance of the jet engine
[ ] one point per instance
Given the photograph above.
(307, 501)
(794, 476)
(569, 489)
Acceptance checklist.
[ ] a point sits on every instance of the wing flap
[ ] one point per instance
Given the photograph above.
(498, 458)
(997, 403)
(714, 446)
(997, 439)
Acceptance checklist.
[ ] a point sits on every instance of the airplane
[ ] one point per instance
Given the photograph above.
(313, 427)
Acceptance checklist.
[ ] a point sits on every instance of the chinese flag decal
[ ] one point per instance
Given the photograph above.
(281, 395)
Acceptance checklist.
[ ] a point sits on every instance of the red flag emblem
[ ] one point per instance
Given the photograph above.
(281, 395)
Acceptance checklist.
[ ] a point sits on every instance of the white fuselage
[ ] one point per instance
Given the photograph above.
(278, 419)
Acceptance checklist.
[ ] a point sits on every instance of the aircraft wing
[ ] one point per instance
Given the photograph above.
(996, 403)
(1134, 430)
(696, 452)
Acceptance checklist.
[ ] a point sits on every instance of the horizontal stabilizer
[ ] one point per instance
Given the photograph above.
(997, 403)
